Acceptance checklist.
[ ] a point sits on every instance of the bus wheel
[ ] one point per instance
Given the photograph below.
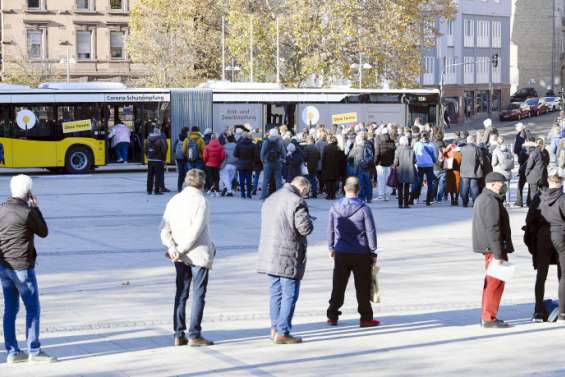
(79, 160)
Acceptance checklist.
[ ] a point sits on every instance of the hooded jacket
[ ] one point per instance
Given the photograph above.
(426, 154)
(155, 148)
(384, 151)
(351, 227)
(197, 137)
(214, 154)
(246, 154)
(536, 167)
(553, 210)
(503, 161)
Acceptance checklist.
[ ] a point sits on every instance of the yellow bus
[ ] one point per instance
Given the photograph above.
(65, 127)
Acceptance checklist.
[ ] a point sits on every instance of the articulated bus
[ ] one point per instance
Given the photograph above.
(65, 127)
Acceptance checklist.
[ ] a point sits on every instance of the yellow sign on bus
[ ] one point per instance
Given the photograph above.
(344, 118)
(77, 126)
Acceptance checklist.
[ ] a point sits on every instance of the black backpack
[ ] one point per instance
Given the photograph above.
(273, 154)
(152, 149)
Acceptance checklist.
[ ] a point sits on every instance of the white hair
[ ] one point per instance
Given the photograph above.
(359, 140)
(273, 132)
(403, 141)
(20, 186)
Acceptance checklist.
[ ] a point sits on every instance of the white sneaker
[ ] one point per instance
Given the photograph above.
(41, 357)
(17, 357)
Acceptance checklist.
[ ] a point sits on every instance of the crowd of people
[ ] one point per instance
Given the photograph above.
(388, 160)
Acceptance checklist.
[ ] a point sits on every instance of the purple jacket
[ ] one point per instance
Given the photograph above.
(351, 228)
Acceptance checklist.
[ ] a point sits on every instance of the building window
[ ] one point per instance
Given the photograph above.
(450, 70)
(118, 5)
(117, 45)
(35, 44)
(84, 45)
(469, 70)
(469, 40)
(483, 69)
(83, 4)
(450, 33)
(34, 4)
(496, 72)
(497, 34)
(483, 34)
(429, 70)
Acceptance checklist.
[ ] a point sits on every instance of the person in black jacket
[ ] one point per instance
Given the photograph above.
(20, 221)
(247, 155)
(553, 210)
(333, 167)
(536, 168)
(492, 238)
(537, 238)
(523, 157)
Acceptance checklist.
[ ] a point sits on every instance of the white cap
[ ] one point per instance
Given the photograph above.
(487, 123)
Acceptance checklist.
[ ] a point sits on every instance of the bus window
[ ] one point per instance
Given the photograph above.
(43, 127)
(72, 113)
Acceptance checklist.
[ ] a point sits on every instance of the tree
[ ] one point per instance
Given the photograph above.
(22, 71)
(178, 41)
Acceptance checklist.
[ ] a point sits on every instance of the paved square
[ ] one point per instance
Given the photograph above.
(107, 295)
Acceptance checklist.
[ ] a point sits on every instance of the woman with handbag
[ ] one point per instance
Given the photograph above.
(452, 167)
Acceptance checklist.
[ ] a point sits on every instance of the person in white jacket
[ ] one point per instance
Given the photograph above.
(185, 234)
(503, 162)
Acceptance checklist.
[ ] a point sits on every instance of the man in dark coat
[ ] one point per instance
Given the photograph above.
(333, 167)
(247, 156)
(384, 157)
(492, 238)
(471, 170)
(285, 223)
(553, 210)
(536, 168)
(312, 158)
(352, 239)
(20, 221)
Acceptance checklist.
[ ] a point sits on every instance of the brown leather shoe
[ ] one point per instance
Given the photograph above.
(287, 339)
(200, 342)
(182, 341)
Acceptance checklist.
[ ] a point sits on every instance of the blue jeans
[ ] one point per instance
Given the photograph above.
(314, 182)
(284, 294)
(121, 150)
(182, 169)
(439, 185)
(366, 193)
(16, 284)
(194, 165)
(472, 185)
(271, 170)
(256, 176)
(428, 172)
(245, 182)
(185, 276)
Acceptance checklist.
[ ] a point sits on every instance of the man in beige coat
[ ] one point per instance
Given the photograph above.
(185, 234)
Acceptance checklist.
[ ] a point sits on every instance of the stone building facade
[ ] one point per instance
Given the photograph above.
(85, 37)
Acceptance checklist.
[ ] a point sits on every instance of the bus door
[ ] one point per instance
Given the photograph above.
(33, 131)
(124, 113)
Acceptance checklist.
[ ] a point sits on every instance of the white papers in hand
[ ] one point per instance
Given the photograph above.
(504, 271)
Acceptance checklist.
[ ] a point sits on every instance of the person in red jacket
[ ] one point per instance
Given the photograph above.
(214, 155)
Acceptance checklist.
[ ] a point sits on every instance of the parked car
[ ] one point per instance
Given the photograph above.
(523, 94)
(536, 107)
(515, 110)
(552, 103)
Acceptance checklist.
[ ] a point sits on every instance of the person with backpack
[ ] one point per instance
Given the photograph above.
(193, 148)
(362, 156)
(426, 156)
(180, 158)
(503, 162)
(273, 152)
(214, 156)
(156, 153)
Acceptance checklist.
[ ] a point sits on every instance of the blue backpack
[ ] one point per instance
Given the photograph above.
(367, 159)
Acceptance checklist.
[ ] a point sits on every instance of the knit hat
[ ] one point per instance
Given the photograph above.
(495, 177)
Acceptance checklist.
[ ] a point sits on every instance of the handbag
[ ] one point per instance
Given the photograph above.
(375, 292)
(392, 180)
(304, 170)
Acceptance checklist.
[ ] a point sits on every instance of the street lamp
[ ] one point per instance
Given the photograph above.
(68, 60)
(360, 67)
(233, 69)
